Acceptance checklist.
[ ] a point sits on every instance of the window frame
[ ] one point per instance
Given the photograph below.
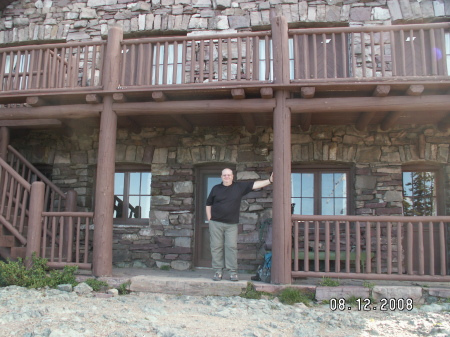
(317, 170)
(127, 169)
(439, 182)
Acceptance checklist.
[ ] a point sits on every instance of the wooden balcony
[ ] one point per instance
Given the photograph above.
(233, 74)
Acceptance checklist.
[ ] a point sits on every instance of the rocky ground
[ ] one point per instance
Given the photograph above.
(56, 313)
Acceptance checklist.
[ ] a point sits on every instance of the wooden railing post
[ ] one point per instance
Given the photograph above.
(282, 223)
(71, 206)
(4, 142)
(34, 235)
(104, 191)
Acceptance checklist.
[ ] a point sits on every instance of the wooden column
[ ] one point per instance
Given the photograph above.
(104, 189)
(4, 142)
(282, 240)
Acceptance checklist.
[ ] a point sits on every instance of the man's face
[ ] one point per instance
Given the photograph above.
(227, 177)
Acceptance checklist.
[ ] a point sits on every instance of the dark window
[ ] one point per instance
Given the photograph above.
(132, 194)
(320, 192)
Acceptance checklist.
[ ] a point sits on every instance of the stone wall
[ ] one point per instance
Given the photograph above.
(174, 156)
(28, 20)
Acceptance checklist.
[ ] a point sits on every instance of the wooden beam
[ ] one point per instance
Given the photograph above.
(444, 124)
(35, 101)
(308, 92)
(238, 93)
(391, 118)
(364, 120)
(159, 96)
(305, 121)
(119, 97)
(93, 98)
(183, 122)
(32, 123)
(381, 90)
(377, 104)
(266, 93)
(255, 105)
(415, 90)
(422, 145)
(249, 122)
(55, 111)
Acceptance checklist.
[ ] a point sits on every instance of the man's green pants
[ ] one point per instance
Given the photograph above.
(223, 245)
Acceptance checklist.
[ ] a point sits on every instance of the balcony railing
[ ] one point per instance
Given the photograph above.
(367, 247)
(329, 55)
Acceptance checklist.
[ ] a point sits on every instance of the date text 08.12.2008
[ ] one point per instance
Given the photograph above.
(367, 304)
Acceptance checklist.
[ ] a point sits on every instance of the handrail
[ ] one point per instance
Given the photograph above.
(36, 172)
(196, 37)
(52, 46)
(365, 29)
(362, 218)
(15, 175)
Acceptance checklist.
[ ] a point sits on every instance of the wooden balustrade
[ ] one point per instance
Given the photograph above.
(315, 55)
(388, 247)
(54, 197)
(373, 52)
(200, 59)
(14, 197)
(52, 66)
(69, 242)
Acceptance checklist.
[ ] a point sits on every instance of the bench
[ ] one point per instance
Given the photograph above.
(332, 257)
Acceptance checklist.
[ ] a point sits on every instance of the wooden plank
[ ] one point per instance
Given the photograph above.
(31, 123)
(266, 93)
(257, 105)
(378, 104)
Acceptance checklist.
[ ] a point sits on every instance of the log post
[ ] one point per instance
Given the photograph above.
(104, 191)
(71, 206)
(34, 233)
(282, 224)
(4, 142)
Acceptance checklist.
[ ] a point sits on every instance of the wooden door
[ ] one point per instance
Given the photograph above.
(207, 177)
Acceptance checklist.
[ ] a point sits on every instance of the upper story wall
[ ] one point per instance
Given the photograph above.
(29, 20)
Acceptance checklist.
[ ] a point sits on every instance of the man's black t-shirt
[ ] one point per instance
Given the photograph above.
(225, 201)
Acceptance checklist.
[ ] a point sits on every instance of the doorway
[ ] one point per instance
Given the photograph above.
(207, 177)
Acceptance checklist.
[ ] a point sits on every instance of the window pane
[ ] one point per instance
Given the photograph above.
(118, 206)
(133, 203)
(327, 206)
(146, 183)
(308, 185)
(419, 194)
(296, 183)
(118, 183)
(340, 206)
(135, 182)
(145, 207)
(327, 185)
(307, 206)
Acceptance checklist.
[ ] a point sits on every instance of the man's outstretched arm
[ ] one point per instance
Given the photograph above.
(262, 183)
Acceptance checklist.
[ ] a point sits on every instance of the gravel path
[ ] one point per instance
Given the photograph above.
(55, 313)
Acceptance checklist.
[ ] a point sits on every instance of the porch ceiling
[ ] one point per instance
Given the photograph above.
(215, 96)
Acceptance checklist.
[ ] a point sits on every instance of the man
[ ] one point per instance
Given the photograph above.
(222, 211)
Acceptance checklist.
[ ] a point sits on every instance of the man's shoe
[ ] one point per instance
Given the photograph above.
(234, 277)
(217, 276)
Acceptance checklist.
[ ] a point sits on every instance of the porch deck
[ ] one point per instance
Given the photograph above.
(198, 282)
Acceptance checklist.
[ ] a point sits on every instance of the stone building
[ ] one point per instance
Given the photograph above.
(365, 166)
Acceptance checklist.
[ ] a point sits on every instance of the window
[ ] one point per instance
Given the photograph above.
(132, 193)
(320, 192)
(419, 193)
(172, 54)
